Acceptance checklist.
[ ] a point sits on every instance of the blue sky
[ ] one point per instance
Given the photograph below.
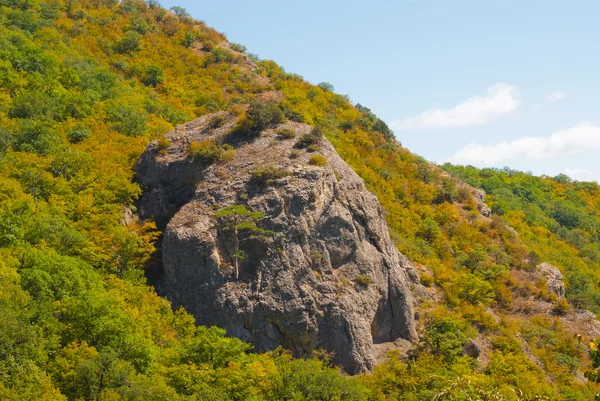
(488, 83)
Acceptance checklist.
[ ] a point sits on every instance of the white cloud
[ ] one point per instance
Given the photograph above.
(497, 101)
(582, 138)
(556, 96)
(583, 174)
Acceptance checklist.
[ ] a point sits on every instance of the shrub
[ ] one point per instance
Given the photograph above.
(313, 138)
(561, 307)
(316, 256)
(228, 153)
(205, 152)
(317, 160)
(363, 280)
(286, 133)
(238, 48)
(162, 145)
(291, 114)
(293, 154)
(267, 175)
(263, 115)
(217, 121)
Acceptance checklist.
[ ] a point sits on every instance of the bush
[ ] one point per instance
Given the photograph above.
(317, 160)
(267, 175)
(217, 121)
(162, 145)
(294, 154)
(561, 307)
(205, 152)
(238, 48)
(291, 114)
(313, 138)
(263, 115)
(363, 280)
(286, 133)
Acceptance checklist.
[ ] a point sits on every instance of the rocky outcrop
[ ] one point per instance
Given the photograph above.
(479, 198)
(553, 277)
(325, 276)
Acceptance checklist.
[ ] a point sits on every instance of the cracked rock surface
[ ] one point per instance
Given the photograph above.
(328, 278)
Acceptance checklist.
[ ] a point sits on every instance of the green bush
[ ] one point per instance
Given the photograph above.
(163, 144)
(262, 115)
(286, 133)
(313, 138)
(363, 280)
(266, 176)
(205, 152)
(317, 160)
(238, 48)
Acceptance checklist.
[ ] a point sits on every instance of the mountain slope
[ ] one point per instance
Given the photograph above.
(86, 85)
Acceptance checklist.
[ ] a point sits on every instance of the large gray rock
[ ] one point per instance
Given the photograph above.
(553, 277)
(303, 288)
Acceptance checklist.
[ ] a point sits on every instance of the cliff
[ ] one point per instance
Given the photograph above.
(317, 269)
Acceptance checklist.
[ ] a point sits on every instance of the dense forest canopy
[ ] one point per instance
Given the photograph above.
(85, 85)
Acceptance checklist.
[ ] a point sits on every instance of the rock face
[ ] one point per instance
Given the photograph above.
(328, 277)
(553, 277)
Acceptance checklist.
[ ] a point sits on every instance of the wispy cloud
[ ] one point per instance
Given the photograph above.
(497, 101)
(556, 96)
(582, 138)
(583, 174)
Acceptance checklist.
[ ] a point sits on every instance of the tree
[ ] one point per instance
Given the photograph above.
(180, 12)
(189, 38)
(130, 43)
(241, 224)
(153, 75)
(326, 86)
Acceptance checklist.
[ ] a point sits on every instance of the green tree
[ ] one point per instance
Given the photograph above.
(132, 42)
(153, 75)
(326, 86)
(180, 12)
(241, 224)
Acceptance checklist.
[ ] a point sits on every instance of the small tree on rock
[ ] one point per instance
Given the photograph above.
(241, 224)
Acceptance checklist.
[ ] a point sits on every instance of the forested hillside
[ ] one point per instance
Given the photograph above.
(557, 218)
(86, 85)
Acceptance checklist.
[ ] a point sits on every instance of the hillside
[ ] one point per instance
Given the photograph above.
(85, 86)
